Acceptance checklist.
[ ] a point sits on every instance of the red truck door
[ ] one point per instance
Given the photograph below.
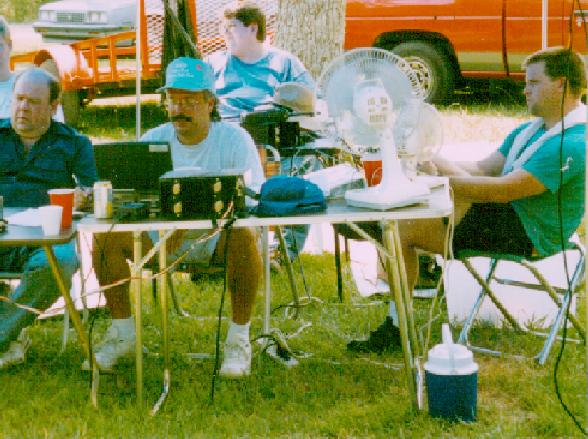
(524, 29)
(478, 39)
(441, 39)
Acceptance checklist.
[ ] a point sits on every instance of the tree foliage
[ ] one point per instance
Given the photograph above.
(19, 11)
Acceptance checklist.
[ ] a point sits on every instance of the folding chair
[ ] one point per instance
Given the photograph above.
(561, 296)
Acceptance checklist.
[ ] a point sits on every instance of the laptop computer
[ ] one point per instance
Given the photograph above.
(133, 165)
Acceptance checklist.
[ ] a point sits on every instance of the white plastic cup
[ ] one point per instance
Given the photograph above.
(51, 219)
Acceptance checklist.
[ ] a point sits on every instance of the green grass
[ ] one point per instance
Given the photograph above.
(330, 394)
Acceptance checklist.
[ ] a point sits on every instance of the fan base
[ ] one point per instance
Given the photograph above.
(378, 199)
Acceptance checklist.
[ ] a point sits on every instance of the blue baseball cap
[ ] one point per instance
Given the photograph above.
(188, 74)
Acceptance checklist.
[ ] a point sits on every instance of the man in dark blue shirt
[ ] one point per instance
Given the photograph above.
(37, 154)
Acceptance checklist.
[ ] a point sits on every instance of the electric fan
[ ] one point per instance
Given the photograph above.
(418, 135)
(374, 99)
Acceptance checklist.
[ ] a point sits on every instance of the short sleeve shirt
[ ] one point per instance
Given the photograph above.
(227, 146)
(539, 213)
(242, 86)
(6, 96)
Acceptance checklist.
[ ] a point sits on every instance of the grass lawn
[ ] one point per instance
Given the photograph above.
(330, 394)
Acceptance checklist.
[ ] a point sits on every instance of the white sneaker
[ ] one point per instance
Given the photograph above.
(237, 357)
(113, 347)
(17, 350)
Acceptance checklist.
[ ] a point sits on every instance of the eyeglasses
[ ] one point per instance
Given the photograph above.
(229, 25)
(183, 102)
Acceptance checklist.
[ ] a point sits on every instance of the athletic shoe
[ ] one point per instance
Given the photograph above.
(385, 338)
(112, 348)
(237, 357)
(17, 350)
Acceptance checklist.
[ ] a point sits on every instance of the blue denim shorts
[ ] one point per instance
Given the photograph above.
(199, 252)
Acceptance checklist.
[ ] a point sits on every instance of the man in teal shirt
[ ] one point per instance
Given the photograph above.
(510, 202)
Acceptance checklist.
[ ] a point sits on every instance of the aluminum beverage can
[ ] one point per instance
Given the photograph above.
(102, 200)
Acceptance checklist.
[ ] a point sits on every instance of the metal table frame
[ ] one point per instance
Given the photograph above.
(439, 205)
(17, 236)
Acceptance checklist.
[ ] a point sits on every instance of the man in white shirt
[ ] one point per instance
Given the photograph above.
(197, 139)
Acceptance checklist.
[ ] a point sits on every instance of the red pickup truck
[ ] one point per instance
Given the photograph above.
(444, 41)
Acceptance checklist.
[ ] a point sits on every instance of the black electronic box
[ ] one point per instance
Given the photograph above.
(190, 194)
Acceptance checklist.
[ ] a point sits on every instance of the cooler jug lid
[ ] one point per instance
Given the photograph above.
(449, 358)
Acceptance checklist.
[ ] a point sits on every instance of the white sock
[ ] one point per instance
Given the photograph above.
(235, 329)
(393, 313)
(125, 326)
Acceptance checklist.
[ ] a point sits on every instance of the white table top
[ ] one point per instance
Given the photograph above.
(32, 235)
(439, 205)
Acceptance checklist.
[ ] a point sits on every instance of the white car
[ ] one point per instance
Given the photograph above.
(73, 20)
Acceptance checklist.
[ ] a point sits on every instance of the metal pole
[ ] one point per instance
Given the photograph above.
(162, 279)
(75, 318)
(138, 68)
(544, 23)
(393, 269)
(586, 219)
(266, 279)
(136, 289)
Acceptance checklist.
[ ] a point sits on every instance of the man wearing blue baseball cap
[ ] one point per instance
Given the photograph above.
(198, 139)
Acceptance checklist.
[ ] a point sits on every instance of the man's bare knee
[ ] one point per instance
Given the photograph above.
(425, 234)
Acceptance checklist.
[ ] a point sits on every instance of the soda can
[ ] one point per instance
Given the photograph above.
(102, 200)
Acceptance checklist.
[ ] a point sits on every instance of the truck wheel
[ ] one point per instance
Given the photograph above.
(434, 72)
(72, 105)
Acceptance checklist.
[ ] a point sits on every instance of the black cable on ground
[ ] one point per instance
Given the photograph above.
(562, 241)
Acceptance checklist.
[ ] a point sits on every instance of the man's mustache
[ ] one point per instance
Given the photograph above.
(180, 117)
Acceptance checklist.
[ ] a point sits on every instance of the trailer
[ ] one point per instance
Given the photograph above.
(107, 66)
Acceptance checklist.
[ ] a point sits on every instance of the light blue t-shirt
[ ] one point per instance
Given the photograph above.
(6, 96)
(242, 86)
(539, 213)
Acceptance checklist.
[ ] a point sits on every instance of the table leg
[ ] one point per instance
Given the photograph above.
(136, 290)
(414, 342)
(289, 270)
(162, 278)
(407, 293)
(75, 318)
(266, 278)
(396, 270)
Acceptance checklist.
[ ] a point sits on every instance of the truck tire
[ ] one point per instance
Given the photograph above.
(72, 105)
(434, 72)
